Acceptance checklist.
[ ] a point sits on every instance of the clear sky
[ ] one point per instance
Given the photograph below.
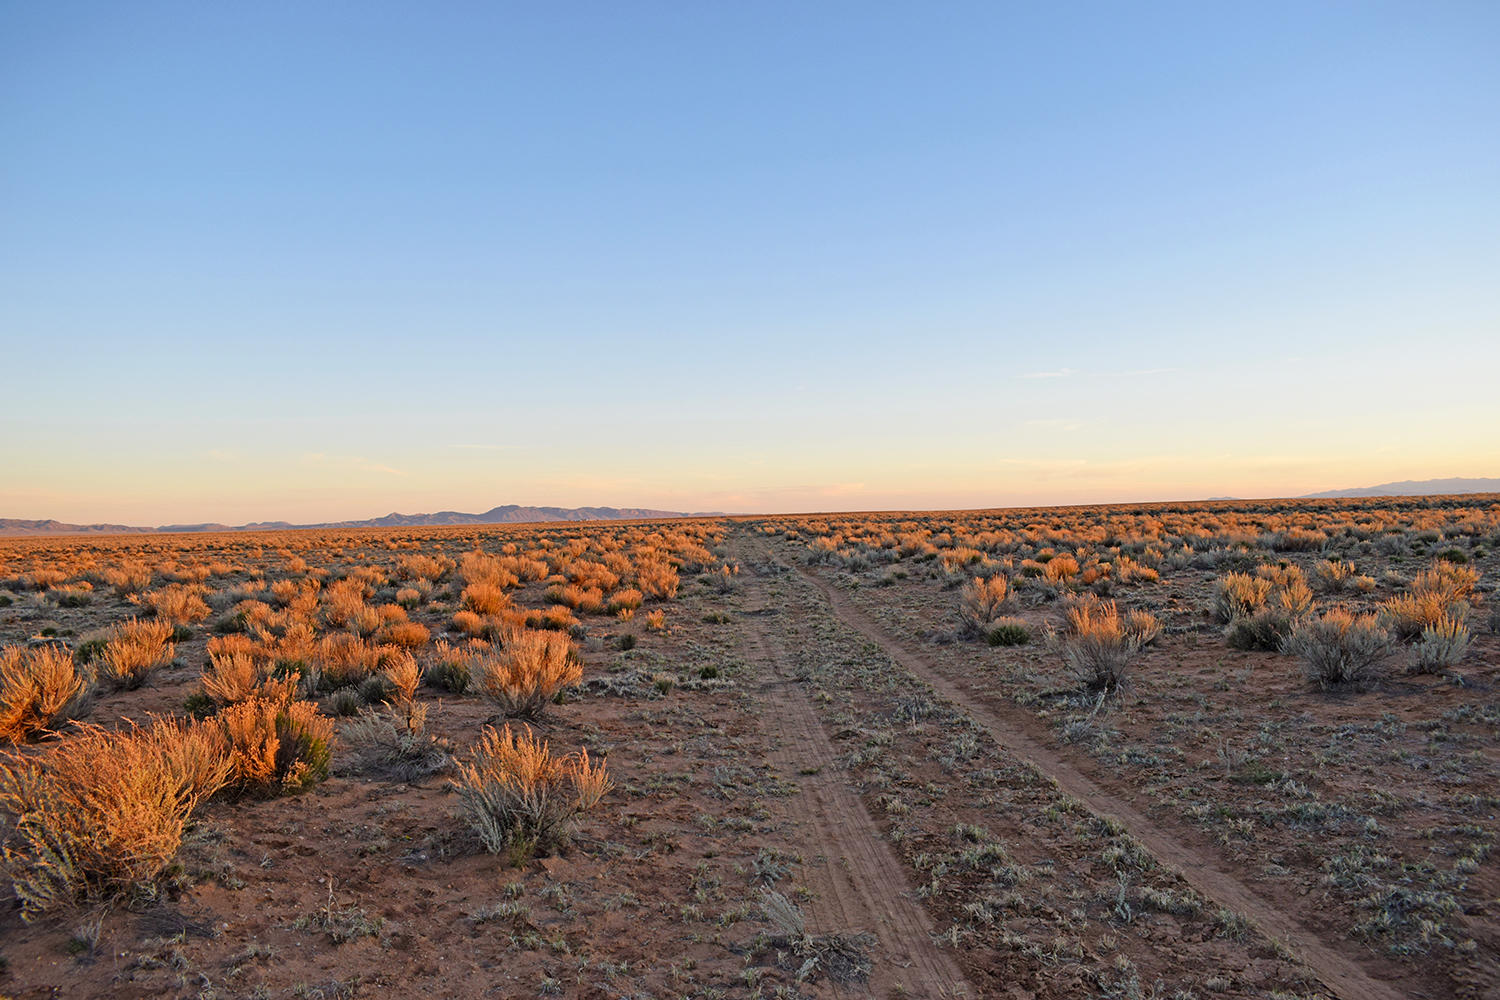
(328, 260)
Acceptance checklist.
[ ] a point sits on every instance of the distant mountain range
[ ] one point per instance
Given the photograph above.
(1414, 488)
(508, 514)
(1405, 488)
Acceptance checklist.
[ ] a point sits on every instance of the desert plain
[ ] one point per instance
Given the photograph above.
(1197, 750)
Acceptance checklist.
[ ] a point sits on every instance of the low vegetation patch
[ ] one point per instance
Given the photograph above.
(529, 672)
(521, 799)
(1337, 648)
(101, 816)
(39, 688)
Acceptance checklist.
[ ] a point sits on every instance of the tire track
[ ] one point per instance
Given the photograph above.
(1203, 869)
(860, 882)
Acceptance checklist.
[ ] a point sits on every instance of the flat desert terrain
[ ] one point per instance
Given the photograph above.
(1200, 750)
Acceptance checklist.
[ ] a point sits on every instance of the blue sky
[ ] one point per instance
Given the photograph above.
(309, 261)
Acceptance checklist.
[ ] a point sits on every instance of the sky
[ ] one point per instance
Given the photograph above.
(312, 261)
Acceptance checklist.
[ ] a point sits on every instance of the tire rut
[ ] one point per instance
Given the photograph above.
(1202, 869)
(861, 883)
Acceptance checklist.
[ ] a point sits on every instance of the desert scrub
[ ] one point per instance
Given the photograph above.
(394, 742)
(273, 747)
(1237, 595)
(485, 598)
(1261, 609)
(1007, 632)
(1442, 645)
(530, 671)
(1100, 643)
(407, 635)
(522, 800)
(452, 667)
(39, 688)
(233, 677)
(177, 604)
(1334, 576)
(656, 578)
(1338, 648)
(1440, 592)
(135, 649)
(980, 602)
(101, 816)
(624, 603)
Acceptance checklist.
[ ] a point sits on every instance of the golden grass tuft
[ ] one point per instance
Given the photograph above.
(628, 599)
(274, 747)
(981, 602)
(407, 635)
(135, 649)
(38, 688)
(1436, 595)
(522, 800)
(1100, 643)
(656, 578)
(178, 604)
(101, 816)
(589, 600)
(530, 671)
(234, 677)
(484, 598)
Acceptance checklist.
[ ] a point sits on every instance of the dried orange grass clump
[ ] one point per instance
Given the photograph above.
(1100, 642)
(38, 688)
(530, 671)
(981, 601)
(233, 677)
(135, 649)
(522, 800)
(102, 815)
(177, 604)
(273, 746)
(485, 598)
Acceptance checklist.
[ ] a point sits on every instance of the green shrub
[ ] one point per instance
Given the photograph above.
(1007, 632)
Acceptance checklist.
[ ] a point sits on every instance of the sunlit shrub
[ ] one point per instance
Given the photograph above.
(39, 688)
(657, 579)
(485, 598)
(628, 599)
(407, 635)
(981, 601)
(135, 650)
(178, 604)
(273, 747)
(522, 800)
(101, 815)
(1437, 594)
(529, 672)
(1442, 646)
(1334, 576)
(1100, 644)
